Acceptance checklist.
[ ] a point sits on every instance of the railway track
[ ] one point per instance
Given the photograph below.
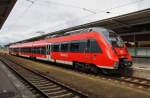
(134, 82)
(138, 82)
(45, 86)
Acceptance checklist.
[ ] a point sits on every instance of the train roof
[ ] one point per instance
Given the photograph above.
(19, 45)
(40, 43)
(56, 38)
(63, 33)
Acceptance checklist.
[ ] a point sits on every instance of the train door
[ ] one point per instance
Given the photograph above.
(64, 47)
(95, 51)
(87, 53)
(49, 48)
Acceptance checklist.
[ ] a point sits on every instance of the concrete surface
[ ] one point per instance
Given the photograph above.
(141, 63)
(141, 67)
(7, 88)
(141, 73)
(10, 86)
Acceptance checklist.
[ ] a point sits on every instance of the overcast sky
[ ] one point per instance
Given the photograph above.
(31, 16)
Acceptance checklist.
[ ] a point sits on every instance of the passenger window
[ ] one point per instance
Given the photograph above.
(88, 48)
(83, 44)
(36, 50)
(40, 50)
(55, 48)
(74, 47)
(64, 47)
(94, 47)
(43, 50)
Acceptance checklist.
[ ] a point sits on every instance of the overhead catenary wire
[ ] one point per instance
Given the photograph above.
(31, 1)
(89, 9)
(26, 10)
(108, 11)
(68, 5)
(73, 6)
(78, 7)
(56, 3)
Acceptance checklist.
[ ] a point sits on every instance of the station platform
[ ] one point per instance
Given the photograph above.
(141, 63)
(10, 86)
(141, 68)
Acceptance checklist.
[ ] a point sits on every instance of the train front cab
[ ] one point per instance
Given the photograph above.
(125, 60)
(114, 54)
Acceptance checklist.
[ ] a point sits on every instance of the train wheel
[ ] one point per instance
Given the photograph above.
(78, 66)
(124, 71)
(110, 71)
(86, 67)
(104, 71)
(75, 66)
(94, 69)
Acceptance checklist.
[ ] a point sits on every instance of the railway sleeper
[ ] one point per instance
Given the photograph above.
(43, 85)
(60, 93)
(45, 82)
(34, 78)
(51, 89)
(39, 80)
(55, 91)
(67, 95)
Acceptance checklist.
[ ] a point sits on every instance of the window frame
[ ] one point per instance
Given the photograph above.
(73, 42)
(67, 49)
(53, 46)
(90, 49)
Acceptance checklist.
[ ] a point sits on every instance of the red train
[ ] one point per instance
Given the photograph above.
(89, 49)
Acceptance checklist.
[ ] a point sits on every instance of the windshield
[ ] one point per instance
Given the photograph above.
(112, 37)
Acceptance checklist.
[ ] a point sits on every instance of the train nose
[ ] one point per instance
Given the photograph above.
(121, 52)
(126, 63)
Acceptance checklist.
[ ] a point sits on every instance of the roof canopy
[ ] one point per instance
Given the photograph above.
(5, 9)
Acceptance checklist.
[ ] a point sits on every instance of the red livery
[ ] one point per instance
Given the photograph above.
(90, 49)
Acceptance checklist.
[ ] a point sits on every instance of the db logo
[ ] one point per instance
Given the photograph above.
(63, 55)
(121, 51)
